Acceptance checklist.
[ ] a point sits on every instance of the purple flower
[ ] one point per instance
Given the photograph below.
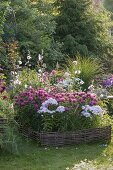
(108, 82)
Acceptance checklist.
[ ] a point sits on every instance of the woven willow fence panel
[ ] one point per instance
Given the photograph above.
(64, 138)
(70, 138)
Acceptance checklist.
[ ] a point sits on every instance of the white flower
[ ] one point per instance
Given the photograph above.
(60, 109)
(81, 82)
(44, 107)
(12, 106)
(86, 114)
(20, 62)
(25, 85)
(91, 87)
(88, 110)
(45, 110)
(66, 75)
(49, 101)
(101, 96)
(75, 62)
(17, 82)
(77, 72)
(13, 72)
(40, 57)
(28, 57)
(40, 71)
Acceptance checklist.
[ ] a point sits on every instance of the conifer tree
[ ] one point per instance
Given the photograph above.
(83, 30)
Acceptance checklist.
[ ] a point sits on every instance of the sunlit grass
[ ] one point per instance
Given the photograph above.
(32, 157)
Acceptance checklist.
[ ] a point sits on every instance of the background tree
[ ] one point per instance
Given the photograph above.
(34, 29)
(3, 7)
(82, 29)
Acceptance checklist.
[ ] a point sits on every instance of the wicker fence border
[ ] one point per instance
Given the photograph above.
(3, 123)
(64, 138)
(70, 138)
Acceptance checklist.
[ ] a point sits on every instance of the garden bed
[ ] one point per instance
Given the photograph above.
(69, 138)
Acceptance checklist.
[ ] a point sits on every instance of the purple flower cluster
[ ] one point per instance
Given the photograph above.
(31, 97)
(108, 82)
(37, 97)
(76, 97)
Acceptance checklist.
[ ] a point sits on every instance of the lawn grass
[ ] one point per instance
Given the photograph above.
(33, 157)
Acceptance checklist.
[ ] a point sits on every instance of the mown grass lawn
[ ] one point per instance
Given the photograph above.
(32, 157)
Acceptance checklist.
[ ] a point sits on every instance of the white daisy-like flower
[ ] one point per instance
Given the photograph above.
(28, 57)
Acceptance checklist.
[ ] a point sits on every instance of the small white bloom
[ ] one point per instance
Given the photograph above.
(66, 75)
(57, 65)
(77, 72)
(49, 101)
(75, 62)
(28, 57)
(25, 85)
(81, 82)
(60, 109)
(12, 106)
(17, 82)
(91, 87)
(20, 62)
(86, 114)
(67, 168)
(40, 57)
(101, 96)
(40, 71)
(13, 72)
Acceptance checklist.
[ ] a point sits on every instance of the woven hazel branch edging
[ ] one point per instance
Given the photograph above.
(64, 138)
(70, 138)
(3, 123)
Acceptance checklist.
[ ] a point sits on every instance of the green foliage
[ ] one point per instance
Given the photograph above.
(6, 109)
(3, 6)
(35, 27)
(89, 68)
(64, 122)
(108, 5)
(10, 139)
(24, 79)
(82, 29)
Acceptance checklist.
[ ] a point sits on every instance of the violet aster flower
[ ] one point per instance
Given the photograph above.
(108, 82)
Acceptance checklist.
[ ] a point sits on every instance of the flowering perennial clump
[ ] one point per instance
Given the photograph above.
(108, 82)
(31, 96)
(92, 110)
(50, 101)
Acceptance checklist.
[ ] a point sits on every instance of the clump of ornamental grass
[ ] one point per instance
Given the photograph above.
(84, 68)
